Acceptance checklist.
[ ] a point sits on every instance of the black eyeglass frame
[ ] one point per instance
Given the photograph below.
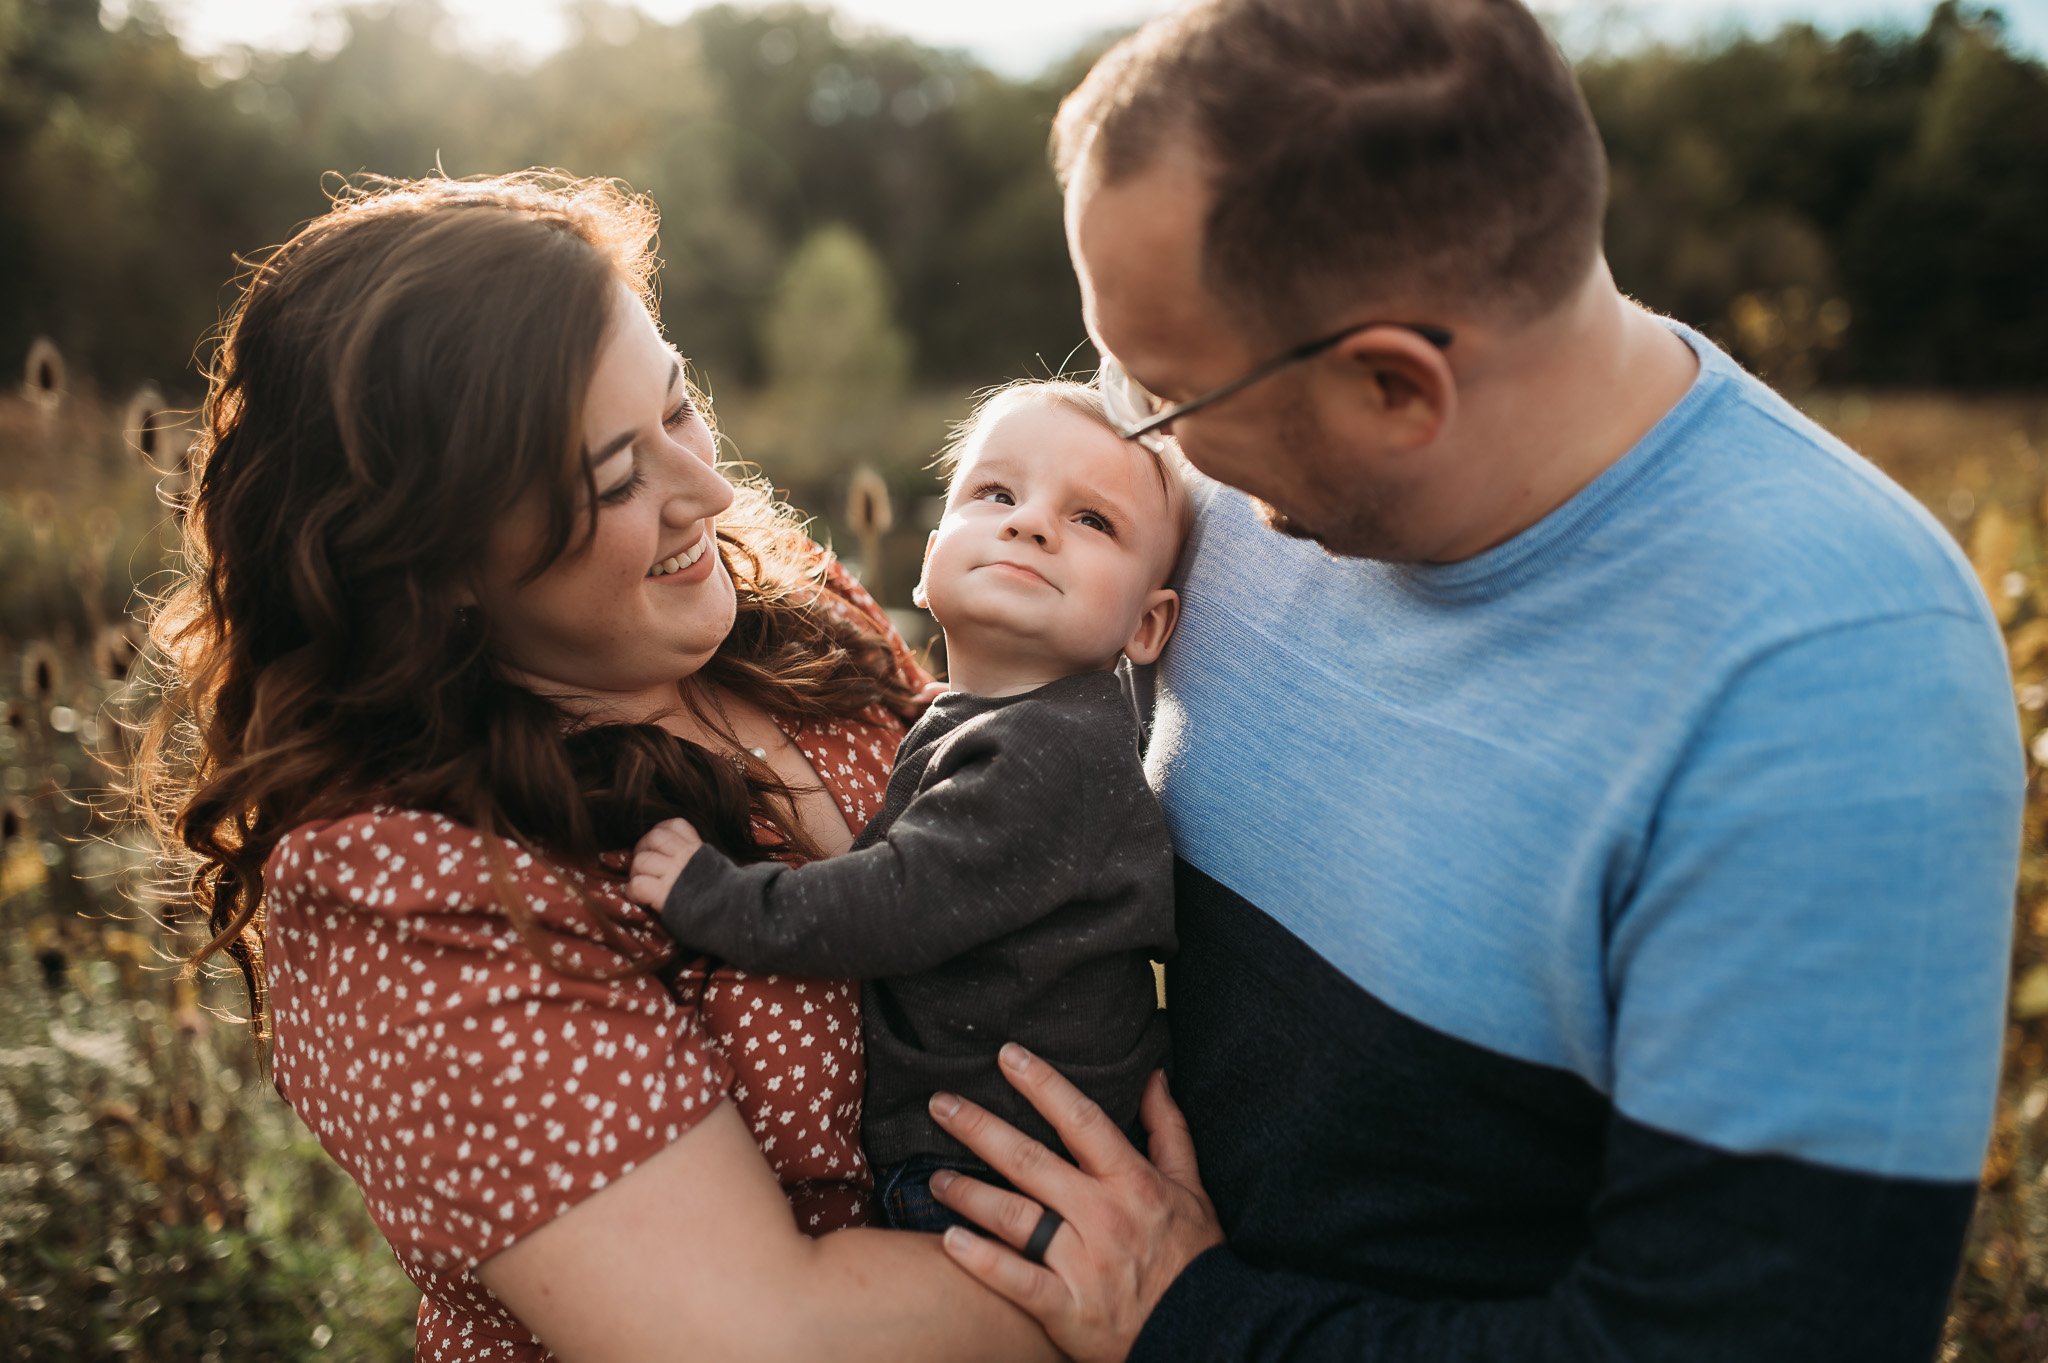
(1440, 337)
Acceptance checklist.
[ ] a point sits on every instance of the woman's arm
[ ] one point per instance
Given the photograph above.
(695, 1255)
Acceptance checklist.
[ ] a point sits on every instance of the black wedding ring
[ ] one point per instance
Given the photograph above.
(1041, 1235)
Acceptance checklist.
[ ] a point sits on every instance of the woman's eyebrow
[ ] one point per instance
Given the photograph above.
(619, 442)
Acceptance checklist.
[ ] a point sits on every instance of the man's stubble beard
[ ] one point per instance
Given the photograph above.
(1356, 524)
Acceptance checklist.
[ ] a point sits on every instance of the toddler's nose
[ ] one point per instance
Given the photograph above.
(1029, 522)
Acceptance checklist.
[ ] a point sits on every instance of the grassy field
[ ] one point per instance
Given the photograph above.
(157, 1201)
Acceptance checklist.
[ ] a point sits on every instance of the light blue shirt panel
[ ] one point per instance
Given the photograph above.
(1451, 781)
(1813, 962)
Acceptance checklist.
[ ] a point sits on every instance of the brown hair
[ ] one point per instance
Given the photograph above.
(392, 380)
(1359, 150)
(1075, 396)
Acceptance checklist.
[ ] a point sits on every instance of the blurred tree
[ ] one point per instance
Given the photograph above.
(1879, 194)
(1885, 186)
(1947, 258)
(837, 364)
(632, 98)
(937, 162)
(130, 181)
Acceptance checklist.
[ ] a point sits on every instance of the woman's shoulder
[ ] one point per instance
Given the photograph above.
(401, 863)
(350, 837)
(475, 1087)
(374, 859)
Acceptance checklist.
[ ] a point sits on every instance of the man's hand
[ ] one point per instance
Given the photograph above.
(658, 858)
(1130, 1227)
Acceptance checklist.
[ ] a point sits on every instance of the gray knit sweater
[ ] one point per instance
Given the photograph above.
(1014, 887)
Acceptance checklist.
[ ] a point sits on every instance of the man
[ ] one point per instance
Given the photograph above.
(1598, 824)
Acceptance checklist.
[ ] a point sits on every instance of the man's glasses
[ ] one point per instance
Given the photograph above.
(1143, 416)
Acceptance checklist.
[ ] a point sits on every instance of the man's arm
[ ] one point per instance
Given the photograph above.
(1808, 976)
(1693, 1260)
(1002, 837)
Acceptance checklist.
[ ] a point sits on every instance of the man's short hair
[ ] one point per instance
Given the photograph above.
(1359, 151)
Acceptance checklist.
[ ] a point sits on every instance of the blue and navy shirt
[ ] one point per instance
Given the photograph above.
(1594, 949)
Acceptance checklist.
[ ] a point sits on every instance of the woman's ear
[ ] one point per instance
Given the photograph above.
(917, 596)
(1155, 627)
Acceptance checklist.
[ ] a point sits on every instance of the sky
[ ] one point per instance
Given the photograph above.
(1019, 37)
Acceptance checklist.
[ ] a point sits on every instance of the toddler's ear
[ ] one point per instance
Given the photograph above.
(1155, 627)
(917, 596)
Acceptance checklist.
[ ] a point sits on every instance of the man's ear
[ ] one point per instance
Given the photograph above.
(1406, 382)
(1155, 627)
(917, 596)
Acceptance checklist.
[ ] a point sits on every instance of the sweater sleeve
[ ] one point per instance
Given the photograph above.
(1000, 836)
(1697, 1255)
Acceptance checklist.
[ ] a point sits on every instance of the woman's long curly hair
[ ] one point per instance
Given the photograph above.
(393, 379)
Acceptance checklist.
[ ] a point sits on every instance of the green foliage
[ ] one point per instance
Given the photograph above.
(136, 173)
(1901, 177)
(829, 330)
(157, 1198)
(157, 1201)
(836, 362)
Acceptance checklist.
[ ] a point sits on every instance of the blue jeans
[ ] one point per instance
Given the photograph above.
(903, 1193)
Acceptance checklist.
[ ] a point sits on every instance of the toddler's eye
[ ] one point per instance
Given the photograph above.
(1095, 521)
(995, 492)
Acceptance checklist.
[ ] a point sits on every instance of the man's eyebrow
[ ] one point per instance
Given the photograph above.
(619, 442)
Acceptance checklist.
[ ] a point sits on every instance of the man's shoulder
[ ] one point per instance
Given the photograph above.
(1772, 512)
(1740, 517)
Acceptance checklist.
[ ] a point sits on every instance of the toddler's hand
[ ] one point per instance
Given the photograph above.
(913, 710)
(658, 859)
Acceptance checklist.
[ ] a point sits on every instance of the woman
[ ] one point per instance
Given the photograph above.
(470, 606)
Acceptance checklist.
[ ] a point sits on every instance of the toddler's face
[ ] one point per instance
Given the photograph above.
(1057, 541)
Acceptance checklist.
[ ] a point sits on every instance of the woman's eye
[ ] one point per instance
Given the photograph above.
(684, 410)
(624, 491)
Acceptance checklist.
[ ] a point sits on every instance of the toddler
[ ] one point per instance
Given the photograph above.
(1018, 880)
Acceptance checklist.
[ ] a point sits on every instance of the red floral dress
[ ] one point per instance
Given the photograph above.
(474, 1092)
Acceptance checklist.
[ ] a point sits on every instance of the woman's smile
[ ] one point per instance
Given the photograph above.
(691, 564)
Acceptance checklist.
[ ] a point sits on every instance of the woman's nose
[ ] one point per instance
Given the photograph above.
(699, 491)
